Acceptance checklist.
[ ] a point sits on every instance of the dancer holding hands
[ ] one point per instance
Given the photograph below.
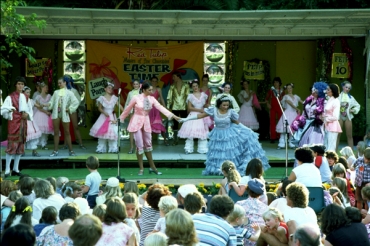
(134, 92)
(247, 115)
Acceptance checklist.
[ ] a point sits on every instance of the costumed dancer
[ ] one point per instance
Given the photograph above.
(195, 128)
(33, 131)
(176, 101)
(229, 140)
(205, 88)
(134, 92)
(247, 116)
(38, 90)
(348, 108)
(290, 103)
(62, 103)
(15, 110)
(105, 127)
(140, 124)
(273, 105)
(73, 116)
(309, 127)
(154, 114)
(226, 89)
(42, 116)
(331, 117)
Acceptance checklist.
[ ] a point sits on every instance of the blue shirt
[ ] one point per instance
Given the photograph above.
(214, 230)
(241, 234)
(93, 180)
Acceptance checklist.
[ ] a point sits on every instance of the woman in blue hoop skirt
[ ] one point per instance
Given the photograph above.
(229, 140)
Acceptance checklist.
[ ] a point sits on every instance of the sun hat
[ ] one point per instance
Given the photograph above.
(256, 186)
(113, 182)
(184, 190)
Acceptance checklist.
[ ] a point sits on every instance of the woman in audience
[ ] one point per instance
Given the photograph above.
(115, 230)
(45, 196)
(111, 189)
(231, 176)
(21, 213)
(49, 217)
(150, 214)
(339, 230)
(58, 234)
(180, 228)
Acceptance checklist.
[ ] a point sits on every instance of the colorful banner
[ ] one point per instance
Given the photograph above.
(254, 70)
(37, 68)
(340, 66)
(122, 64)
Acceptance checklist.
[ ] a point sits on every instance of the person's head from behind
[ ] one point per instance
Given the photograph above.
(115, 212)
(332, 157)
(131, 187)
(254, 168)
(183, 191)
(69, 210)
(6, 187)
(307, 235)
(338, 171)
(194, 202)
(304, 155)
(53, 182)
(353, 214)
(99, 211)
(286, 182)
(346, 152)
(26, 185)
(224, 103)
(72, 189)
(271, 196)
(255, 188)
(367, 155)
(43, 189)
(229, 170)
(61, 181)
(297, 195)
(21, 234)
(318, 149)
(15, 195)
(132, 205)
(86, 230)
(332, 218)
(156, 239)
(166, 204)
(112, 188)
(237, 216)
(154, 194)
(221, 206)
(49, 215)
(180, 228)
(361, 146)
(272, 218)
(365, 193)
(92, 163)
(342, 160)
(21, 207)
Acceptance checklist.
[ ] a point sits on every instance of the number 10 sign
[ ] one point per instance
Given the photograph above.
(340, 67)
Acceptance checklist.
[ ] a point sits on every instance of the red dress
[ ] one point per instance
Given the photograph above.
(283, 224)
(155, 117)
(275, 112)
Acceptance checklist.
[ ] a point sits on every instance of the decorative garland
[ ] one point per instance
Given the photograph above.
(346, 49)
(232, 55)
(325, 50)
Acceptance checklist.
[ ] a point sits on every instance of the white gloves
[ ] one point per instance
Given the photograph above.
(193, 117)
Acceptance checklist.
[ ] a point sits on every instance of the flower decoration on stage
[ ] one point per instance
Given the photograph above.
(142, 188)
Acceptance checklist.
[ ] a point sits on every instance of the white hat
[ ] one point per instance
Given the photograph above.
(187, 189)
(113, 182)
(83, 205)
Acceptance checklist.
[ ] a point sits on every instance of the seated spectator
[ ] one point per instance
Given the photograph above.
(183, 191)
(58, 234)
(339, 171)
(332, 158)
(99, 211)
(111, 189)
(86, 225)
(156, 239)
(321, 162)
(26, 185)
(194, 202)
(48, 218)
(21, 234)
(166, 204)
(212, 228)
(338, 197)
(353, 214)
(348, 154)
(7, 186)
(271, 196)
(306, 172)
(339, 230)
(275, 225)
(341, 184)
(60, 182)
(231, 175)
(365, 193)
(21, 213)
(115, 230)
(131, 187)
(361, 146)
(53, 182)
(362, 166)
(307, 234)
(350, 174)
(45, 196)
(5, 211)
(71, 191)
(180, 228)
(281, 203)
(83, 205)
(133, 212)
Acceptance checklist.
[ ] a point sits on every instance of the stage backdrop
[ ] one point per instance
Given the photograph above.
(122, 64)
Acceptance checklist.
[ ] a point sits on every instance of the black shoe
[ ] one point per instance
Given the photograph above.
(6, 175)
(14, 173)
(272, 141)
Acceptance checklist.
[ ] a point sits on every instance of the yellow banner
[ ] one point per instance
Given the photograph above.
(37, 68)
(122, 64)
(340, 67)
(254, 70)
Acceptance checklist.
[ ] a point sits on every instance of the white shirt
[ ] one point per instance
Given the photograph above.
(39, 204)
(325, 170)
(301, 216)
(280, 204)
(308, 174)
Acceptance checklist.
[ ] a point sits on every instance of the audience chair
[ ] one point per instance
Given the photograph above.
(316, 199)
(235, 197)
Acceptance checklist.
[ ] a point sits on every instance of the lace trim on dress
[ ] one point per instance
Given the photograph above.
(105, 103)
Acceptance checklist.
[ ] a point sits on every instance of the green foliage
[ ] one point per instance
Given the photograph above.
(12, 27)
(359, 125)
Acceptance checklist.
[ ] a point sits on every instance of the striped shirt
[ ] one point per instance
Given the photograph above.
(147, 222)
(214, 230)
(242, 233)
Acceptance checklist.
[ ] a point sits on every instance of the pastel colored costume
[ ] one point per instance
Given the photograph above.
(33, 132)
(233, 142)
(140, 123)
(155, 117)
(103, 129)
(42, 120)
(348, 103)
(195, 128)
(331, 120)
(275, 112)
(232, 99)
(62, 100)
(247, 115)
(208, 120)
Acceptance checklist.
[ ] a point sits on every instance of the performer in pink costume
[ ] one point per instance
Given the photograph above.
(134, 92)
(140, 124)
(105, 128)
(195, 128)
(290, 103)
(247, 115)
(154, 114)
(208, 120)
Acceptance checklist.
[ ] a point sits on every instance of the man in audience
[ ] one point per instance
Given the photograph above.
(212, 228)
(194, 202)
(86, 230)
(306, 235)
(183, 191)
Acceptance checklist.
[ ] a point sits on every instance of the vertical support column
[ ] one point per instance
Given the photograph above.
(367, 77)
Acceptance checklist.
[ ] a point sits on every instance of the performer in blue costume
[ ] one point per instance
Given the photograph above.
(229, 140)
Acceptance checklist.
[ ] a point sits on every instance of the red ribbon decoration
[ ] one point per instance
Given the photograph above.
(177, 63)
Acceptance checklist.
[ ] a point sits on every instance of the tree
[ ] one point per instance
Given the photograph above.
(12, 27)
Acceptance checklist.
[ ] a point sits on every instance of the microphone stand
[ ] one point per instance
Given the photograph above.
(286, 132)
(122, 180)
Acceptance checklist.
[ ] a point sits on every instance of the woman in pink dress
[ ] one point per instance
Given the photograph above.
(140, 124)
(105, 128)
(154, 114)
(42, 116)
(247, 115)
(195, 128)
(208, 120)
(290, 103)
